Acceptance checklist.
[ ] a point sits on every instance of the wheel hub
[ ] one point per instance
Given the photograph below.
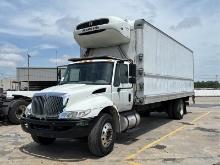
(107, 134)
(20, 111)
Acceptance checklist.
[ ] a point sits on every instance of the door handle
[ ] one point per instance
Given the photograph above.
(129, 97)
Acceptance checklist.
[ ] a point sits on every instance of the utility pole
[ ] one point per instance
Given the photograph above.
(56, 58)
(28, 55)
(2, 75)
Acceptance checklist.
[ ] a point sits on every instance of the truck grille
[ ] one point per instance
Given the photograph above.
(47, 106)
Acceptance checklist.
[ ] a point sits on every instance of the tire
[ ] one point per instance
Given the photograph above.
(102, 136)
(17, 108)
(43, 140)
(169, 107)
(185, 110)
(178, 109)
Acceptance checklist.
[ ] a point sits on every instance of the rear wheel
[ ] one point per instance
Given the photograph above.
(17, 109)
(178, 109)
(169, 107)
(102, 136)
(43, 140)
(185, 110)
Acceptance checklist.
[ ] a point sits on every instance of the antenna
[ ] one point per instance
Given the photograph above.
(28, 57)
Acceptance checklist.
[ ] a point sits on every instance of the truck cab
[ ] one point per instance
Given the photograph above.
(89, 89)
(107, 77)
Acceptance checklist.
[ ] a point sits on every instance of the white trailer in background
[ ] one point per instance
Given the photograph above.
(13, 104)
(126, 68)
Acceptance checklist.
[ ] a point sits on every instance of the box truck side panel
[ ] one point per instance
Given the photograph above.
(167, 66)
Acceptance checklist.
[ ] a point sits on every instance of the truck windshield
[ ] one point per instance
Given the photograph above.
(97, 73)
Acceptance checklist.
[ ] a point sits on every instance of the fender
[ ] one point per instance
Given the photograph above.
(97, 105)
(26, 98)
(93, 103)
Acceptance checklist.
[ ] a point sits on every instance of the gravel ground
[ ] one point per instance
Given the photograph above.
(158, 140)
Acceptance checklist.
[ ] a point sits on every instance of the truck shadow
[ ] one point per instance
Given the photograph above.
(4, 123)
(77, 150)
(61, 150)
(147, 124)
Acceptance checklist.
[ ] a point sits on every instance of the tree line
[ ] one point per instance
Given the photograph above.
(207, 84)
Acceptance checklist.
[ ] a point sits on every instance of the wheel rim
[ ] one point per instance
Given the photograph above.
(20, 111)
(107, 134)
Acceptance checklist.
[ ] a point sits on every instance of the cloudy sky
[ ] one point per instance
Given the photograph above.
(44, 29)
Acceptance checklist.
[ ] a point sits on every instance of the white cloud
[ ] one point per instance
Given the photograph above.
(9, 63)
(10, 55)
(46, 46)
(5, 4)
(53, 20)
(38, 20)
(187, 23)
(60, 61)
(67, 23)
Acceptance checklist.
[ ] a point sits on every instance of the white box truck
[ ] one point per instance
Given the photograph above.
(126, 68)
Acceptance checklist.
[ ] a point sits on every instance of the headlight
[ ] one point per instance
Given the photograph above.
(65, 101)
(73, 114)
(28, 110)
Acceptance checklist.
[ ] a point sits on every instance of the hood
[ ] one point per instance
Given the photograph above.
(76, 92)
(69, 89)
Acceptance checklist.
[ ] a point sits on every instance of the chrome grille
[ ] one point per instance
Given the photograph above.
(47, 106)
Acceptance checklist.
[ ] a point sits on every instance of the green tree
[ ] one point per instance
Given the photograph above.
(207, 84)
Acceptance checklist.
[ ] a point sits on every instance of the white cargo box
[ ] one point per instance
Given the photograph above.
(164, 66)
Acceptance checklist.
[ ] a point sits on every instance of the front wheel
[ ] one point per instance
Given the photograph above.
(43, 140)
(102, 136)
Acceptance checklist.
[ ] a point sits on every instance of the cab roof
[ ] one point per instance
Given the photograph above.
(95, 58)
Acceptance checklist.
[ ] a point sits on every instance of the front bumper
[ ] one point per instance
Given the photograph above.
(58, 128)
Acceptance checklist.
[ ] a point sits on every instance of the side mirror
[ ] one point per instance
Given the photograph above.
(132, 70)
(59, 75)
(132, 80)
(117, 83)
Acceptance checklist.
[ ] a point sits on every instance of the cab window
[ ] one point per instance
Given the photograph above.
(121, 74)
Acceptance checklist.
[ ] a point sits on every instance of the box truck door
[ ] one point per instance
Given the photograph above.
(122, 90)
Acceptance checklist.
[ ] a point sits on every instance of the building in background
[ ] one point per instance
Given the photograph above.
(39, 78)
(8, 84)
